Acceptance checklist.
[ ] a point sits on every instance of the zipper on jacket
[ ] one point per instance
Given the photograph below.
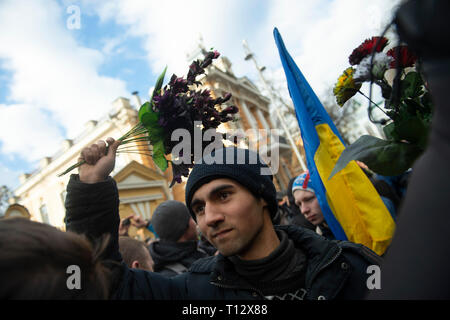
(338, 253)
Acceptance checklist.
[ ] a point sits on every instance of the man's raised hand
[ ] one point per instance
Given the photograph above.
(100, 161)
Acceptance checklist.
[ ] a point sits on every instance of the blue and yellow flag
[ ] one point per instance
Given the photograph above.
(350, 204)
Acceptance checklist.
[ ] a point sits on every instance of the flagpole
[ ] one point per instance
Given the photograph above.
(250, 55)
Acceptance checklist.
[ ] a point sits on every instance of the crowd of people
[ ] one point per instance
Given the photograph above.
(233, 238)
(178, 243)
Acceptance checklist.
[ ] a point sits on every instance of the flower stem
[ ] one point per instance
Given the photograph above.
(130, 136)
(373, 102)
(72, 167)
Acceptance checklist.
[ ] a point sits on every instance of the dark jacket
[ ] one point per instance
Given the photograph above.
(333, 269)
(206, 246)
(172, 258)
(326, 232)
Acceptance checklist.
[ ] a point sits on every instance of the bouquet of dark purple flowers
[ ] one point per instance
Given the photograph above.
(177, 105)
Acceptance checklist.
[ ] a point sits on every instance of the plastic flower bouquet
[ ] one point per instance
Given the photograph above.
(407, 106)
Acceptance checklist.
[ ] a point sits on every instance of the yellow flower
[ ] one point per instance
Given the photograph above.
(346, 87)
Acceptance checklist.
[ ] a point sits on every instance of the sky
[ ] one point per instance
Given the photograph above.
(62, 63)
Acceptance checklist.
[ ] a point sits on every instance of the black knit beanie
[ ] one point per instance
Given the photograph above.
(242, 165)
(170, 220)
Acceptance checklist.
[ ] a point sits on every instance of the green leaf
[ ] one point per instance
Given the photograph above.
(411, 85)
(143, 110)
(159, 83)
(427, 102)
(412, 130)
(413, 106)
(147, 116)
(389, 131)
(388, 158)
(150, 118)
(158, 155)
(155, 134)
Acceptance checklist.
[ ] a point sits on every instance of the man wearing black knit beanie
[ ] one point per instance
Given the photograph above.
(231, 196)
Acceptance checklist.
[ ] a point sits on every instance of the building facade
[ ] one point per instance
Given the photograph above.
(142, 185)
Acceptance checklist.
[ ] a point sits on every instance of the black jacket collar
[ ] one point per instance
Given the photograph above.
(320, 254)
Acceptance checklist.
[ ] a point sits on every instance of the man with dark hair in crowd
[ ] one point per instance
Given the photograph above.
(135, 254)
(38, 261)
(233, 203)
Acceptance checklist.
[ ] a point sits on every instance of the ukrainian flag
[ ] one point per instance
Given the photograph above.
(350, 204)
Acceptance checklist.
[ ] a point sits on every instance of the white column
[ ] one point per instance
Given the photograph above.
(248, 115)
(141, 209)
(147, 210)
(262, 119)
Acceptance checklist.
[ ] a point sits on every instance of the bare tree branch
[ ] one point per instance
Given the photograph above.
(5, 194)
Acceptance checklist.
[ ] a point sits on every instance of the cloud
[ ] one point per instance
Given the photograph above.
(55, 86)
(112, 45)
(31, 134)
(319, 34)
(322, 34)
(171, 29)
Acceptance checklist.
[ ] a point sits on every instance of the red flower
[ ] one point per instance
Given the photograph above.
(366, 48)
(405, 57)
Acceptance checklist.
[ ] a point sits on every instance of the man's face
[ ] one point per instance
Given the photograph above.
(309, 206)
(229, 216)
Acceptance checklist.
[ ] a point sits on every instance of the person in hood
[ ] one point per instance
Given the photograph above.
(177, 247)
